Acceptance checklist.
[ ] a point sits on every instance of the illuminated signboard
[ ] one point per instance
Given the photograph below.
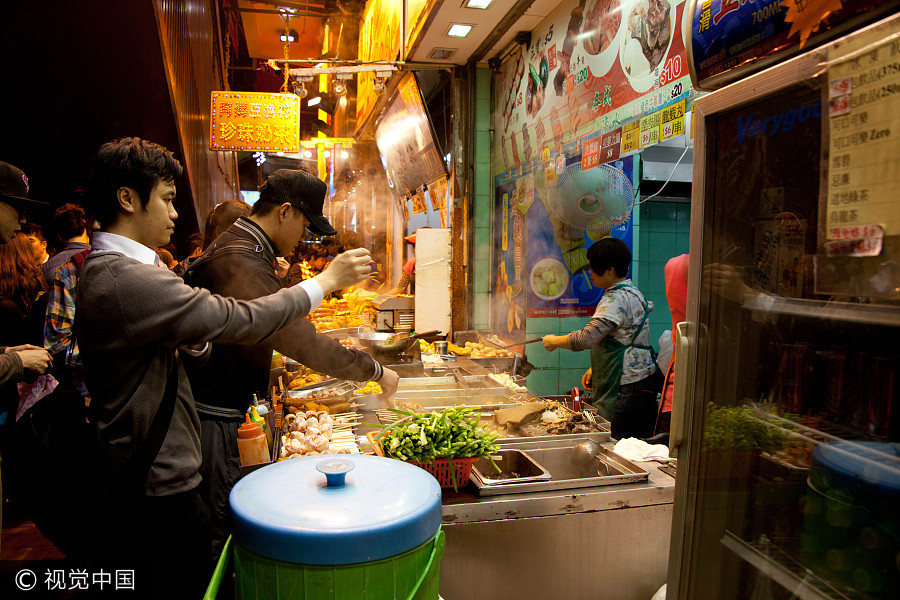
(254, 121)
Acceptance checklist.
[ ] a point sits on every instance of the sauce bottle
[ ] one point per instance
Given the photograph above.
(252, 444)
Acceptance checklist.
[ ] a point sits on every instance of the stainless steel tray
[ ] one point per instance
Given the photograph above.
(516, 466)
(612, 470)
(545, 441)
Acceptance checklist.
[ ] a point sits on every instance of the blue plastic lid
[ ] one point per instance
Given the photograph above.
(873, 463)
(288, 512)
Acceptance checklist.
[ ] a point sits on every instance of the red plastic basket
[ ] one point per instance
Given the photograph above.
(439, 467)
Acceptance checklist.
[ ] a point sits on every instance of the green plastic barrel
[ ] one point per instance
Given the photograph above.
(373, 533)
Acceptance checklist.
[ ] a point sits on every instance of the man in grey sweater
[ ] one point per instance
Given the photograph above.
(132, 317)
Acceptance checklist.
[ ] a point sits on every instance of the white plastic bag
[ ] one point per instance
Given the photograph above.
(665, 351)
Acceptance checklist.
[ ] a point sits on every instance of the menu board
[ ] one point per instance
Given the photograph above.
(591, 68)
(864, 157)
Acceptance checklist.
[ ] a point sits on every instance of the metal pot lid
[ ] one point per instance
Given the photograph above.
(372, 508)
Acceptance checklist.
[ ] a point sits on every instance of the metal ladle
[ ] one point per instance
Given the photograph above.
(585, 452)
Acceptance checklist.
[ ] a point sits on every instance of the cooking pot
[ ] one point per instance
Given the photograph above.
(385, 342)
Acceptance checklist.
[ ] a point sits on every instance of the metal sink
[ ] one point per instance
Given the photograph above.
(607, 468)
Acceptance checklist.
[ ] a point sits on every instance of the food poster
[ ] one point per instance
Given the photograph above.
(543, 235)
(591, 67)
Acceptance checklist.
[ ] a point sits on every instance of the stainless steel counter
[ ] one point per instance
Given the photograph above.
(600, 543)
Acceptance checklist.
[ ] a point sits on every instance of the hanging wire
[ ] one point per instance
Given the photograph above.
(672, 174)
(287, 53)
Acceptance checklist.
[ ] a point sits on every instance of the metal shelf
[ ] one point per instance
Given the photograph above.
(782, 568)
(872, 314)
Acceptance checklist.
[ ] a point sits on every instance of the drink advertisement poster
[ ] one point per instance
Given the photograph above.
(545, 230)
(591, 68)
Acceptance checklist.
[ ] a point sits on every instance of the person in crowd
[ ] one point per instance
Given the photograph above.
(331, 246)
(165, 257)
(194, 245)
(407, 273)
(221, 217)
(194, 249)
(14, 200)
(623, 374)
(239, 265)
(309, 265)
(22, 293)
(676, 274)
(17, 362)
(132, 318)
(38, 241)
(72, 228)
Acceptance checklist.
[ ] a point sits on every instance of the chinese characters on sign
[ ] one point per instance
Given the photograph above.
(864, 161)
(254, 121)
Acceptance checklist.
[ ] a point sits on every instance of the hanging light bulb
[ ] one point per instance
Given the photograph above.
(300, 89)
(339, 87)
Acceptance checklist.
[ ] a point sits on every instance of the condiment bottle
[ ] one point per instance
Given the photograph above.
(258, 414)
(252, 444)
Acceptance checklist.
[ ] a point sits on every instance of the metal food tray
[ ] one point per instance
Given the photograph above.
(556, 459)
(509, 460)
(562, 438)
(336, 388)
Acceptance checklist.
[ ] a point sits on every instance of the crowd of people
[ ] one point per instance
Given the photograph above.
(161, 356)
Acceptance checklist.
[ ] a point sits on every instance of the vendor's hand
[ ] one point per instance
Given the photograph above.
(281, 267)
(388, 382)
(347, 268)
(725, 280)
(552, 342)
(35, 359)
(586, 380)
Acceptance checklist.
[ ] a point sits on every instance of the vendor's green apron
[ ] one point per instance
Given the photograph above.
(608, 363)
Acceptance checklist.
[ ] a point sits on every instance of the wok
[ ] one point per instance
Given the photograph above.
(385, 341)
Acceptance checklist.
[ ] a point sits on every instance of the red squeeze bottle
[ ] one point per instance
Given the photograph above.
(576, 399)
(252, 444)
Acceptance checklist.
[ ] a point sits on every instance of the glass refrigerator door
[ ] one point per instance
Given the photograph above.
(786, 392)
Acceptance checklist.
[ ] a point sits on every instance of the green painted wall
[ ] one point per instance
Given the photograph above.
(483, 198)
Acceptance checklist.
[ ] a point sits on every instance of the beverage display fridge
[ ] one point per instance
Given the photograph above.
(786, 418)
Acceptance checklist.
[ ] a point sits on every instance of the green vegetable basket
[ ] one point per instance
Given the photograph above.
(449, 473)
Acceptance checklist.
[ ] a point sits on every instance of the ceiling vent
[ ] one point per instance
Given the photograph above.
(442, 53)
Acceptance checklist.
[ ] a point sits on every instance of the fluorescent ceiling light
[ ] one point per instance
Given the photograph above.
(314, 101)
(477, 3)
(459, 30)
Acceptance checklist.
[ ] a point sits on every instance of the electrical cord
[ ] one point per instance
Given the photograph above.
(672, 174)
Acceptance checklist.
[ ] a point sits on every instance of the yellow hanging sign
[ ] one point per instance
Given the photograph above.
(254, 121)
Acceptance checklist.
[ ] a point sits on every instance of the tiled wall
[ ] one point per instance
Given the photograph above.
(480, 273)
(665, 233)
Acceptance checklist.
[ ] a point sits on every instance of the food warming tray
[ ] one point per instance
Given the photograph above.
(557, 459)
(515, 467)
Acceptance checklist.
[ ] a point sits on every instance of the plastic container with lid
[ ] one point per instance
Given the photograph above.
(851, 525)
(337, 526)
(252, 445)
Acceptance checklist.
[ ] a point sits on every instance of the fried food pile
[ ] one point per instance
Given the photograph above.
(338, 313)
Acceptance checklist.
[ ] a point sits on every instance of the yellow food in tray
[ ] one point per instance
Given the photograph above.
(479, 350)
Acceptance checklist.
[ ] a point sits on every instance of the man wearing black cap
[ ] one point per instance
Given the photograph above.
(240, 263)
(13, 200)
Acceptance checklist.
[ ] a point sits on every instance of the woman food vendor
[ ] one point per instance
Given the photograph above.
(623, 373)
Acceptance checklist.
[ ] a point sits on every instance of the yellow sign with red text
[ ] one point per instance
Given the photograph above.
(254, 121)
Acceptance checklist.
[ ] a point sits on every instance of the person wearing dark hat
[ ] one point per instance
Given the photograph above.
(239, 263)
(14, 200)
